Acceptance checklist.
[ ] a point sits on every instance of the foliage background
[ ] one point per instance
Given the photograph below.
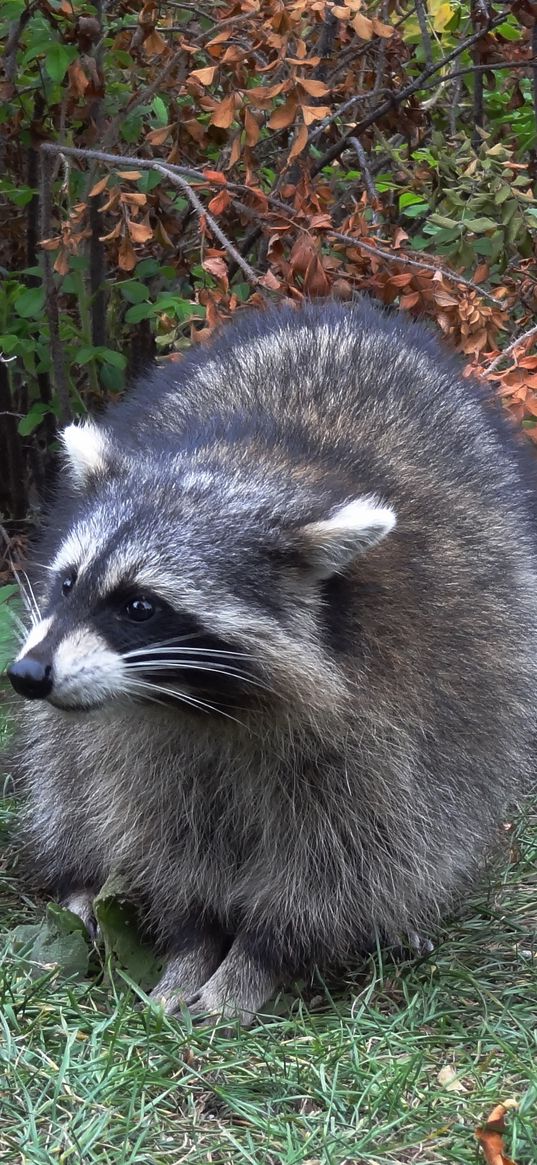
(163, 165)
(268, 149)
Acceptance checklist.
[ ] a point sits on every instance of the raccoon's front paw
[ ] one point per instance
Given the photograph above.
(236, 991)
(187, 972)
(81, 903)
(419, 943)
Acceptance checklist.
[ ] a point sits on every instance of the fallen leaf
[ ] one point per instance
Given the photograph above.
(131, 175)
(490, 1135)
(447, 1077)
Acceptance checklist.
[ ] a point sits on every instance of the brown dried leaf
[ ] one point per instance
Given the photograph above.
(215, 176)
(380, 29)
(157, 137)
(220, 202)
(61, 264)
(284, 115)
(362, 26)
(204, 76)
(251, 128)
(133, 198)
(154, 44)
(78, 81)
(140, 232)
(300, 142)
(490, 1136)
(99, 186)
(126, 258)
(224, 112)
(314, 88)
(216, 266)
(315, 112)
(130, 175)
(113, 234)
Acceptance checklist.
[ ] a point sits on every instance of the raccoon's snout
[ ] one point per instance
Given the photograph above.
(31, 678)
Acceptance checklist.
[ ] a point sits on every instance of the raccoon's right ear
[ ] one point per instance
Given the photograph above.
(330, 546)
(88, 451)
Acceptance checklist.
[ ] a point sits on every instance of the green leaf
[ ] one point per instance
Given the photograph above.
(409, 198)
(140, 311)
(479, 225)
(9, 343)
(7, 591)
(134, 292)
(58, 57)
(33, 418)
(109, 356)
(112, 379)
(146, 268)
(85, 355)
(149, 180)
(58, 941)
(30, 302)
(118, 922)
(159, 110)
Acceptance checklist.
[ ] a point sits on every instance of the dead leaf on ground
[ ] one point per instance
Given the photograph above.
(490, 1135)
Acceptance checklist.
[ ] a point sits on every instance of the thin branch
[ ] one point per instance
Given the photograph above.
(420, 264)
(367, 176)
(178, 180)
(51, 296)
(422, 14)
(531, 332)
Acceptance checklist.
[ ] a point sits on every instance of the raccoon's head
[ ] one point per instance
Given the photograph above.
(193, 578)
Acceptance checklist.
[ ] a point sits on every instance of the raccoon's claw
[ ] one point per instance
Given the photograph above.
(236, 991)
(81, 904)
(186, 973)
(420, 945)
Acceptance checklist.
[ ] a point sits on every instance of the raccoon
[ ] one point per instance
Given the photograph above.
(282, 667)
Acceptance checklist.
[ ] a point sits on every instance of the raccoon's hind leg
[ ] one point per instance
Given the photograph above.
(198, 951)
(239, 987)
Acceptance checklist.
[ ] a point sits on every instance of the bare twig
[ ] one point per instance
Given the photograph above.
(368, 179)
(181, 182)
(531, 332)
(419, 264)
(51, 297)
(422, 14)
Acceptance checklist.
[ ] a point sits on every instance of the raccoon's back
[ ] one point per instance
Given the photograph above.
(360, 389)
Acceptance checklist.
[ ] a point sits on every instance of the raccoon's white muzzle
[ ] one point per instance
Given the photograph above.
(80, 671)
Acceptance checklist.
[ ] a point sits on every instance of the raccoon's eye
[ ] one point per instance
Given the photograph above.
(139, 609)
(68, 583)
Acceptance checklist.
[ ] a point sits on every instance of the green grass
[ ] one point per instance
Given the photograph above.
(348, 1076)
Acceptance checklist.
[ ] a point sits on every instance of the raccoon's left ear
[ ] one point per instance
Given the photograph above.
(88, 451)
(331, 545)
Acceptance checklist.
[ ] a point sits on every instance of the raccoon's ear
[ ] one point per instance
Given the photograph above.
(87, 449)
(332, 545)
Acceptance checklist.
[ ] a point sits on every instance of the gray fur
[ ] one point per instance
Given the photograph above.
(354, 791)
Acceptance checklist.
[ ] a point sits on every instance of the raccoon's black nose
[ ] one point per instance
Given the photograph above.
(31, 678)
